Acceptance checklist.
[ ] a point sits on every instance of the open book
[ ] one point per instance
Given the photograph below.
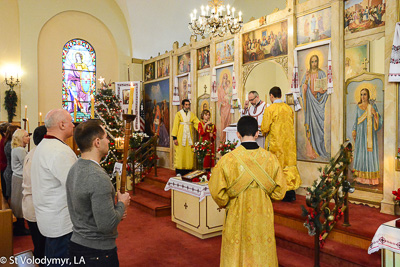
(321, 84)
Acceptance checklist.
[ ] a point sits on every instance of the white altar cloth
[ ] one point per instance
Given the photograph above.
(386, 237)
(231, 136)
(200, 191)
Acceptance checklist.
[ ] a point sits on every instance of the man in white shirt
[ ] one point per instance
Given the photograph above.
(50, 166)
(256, 110)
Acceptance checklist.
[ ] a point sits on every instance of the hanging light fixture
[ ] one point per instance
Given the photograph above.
(213, 22)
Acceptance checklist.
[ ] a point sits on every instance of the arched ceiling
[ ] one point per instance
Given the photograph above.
(156, 24)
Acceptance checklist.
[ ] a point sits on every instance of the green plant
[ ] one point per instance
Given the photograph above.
(10, 103)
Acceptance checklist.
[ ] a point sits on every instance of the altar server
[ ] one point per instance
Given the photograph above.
(243, 182)
(278, 123)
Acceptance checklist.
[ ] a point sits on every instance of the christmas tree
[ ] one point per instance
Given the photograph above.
(108, 110)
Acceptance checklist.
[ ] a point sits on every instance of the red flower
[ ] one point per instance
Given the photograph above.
(397, 194)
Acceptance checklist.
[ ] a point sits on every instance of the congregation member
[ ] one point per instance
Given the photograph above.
(243, 182)
(90, 195)
(7, 151)
(19, 141)
(50, 166)
(3, 158)
(278, 123)
(207, 132)
(257, 108)
(182, 134)
(27, 203)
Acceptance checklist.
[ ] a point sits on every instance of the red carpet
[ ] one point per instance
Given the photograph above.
(145, 240)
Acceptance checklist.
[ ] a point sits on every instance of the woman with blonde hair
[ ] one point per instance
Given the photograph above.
(19, 141)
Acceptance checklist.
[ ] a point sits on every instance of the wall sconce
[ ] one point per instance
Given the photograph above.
(11, 81)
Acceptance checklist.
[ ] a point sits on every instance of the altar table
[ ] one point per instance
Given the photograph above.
(231, 136)
(193, 209)
(387, 238)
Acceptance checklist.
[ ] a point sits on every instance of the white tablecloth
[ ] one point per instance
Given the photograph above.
(196, 190)
(386, 237)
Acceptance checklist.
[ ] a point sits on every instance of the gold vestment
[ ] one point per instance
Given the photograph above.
(278, 122)
(243, 182)
(184, 155)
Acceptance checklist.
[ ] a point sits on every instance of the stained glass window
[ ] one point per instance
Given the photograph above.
(79, 77)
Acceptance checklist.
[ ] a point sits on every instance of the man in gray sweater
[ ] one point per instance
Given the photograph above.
(91, 205)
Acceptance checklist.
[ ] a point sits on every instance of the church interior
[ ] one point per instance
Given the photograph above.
(148, 56)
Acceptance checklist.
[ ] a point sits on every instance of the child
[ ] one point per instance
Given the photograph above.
(207, 131)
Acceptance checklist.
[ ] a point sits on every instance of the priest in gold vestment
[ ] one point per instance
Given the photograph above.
(182, 133)
(278, 123)
(243, 182)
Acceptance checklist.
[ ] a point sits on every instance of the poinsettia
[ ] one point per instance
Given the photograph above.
(227, 147)
(397, 194)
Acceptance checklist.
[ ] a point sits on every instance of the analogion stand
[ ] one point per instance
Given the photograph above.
(193, 209)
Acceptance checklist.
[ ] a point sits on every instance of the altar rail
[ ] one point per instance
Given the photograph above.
(333, 185)
(144, 158)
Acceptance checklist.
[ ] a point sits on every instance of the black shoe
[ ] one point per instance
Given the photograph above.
(290, 196)
(21, 232)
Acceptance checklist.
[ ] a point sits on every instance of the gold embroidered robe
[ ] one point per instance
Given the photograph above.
(184, 155)
(244, 182)
(278, 123)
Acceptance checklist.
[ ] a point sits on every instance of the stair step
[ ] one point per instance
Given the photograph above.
(152, 206)
(152, 191)
(288, 258)
(333, 252)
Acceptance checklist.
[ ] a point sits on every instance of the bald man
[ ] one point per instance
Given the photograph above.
(51, 163)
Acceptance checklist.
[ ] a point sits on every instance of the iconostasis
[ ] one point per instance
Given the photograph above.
(340, 69)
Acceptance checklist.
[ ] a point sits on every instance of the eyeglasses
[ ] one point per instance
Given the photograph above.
(251, 100)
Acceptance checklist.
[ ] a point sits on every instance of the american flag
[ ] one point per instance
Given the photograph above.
(142, 116)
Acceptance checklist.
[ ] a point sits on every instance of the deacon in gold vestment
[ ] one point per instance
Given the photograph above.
(243, 182)
(278, 123)
(182, 133)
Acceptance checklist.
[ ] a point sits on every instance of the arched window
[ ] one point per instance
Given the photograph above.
(79, 77)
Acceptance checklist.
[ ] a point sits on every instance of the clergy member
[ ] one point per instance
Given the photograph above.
(278, 123)
(256, 110)
(244, 181)
(182, 133)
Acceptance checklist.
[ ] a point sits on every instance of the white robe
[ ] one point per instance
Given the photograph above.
(255, 112)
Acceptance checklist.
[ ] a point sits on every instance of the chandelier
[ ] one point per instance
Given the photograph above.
(213, 22)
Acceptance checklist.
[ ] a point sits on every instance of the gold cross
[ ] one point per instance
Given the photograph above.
(205, 88)
(186, 206)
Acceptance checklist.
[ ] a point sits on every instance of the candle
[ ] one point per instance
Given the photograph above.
(27, 121)
(26, 110)
(131, 99)
(92, 108)
(40, 118)
(75, 109)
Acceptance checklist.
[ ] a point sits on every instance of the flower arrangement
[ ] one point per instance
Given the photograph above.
(398, 153)
(397, 194)
(137, 139)
(227, 147)
(201, 149)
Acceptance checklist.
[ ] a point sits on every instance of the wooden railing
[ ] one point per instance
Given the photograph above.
(327, 199)
(6, 228)
(144, 158)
